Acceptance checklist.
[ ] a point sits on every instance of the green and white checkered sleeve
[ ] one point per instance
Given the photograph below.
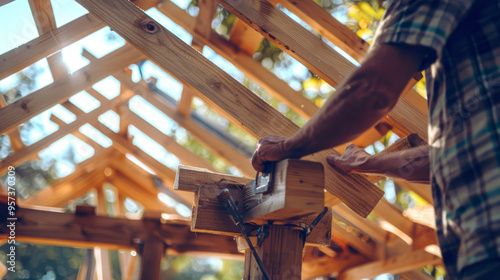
(426, 23)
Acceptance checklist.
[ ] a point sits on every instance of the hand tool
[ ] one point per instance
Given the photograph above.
(227, 202)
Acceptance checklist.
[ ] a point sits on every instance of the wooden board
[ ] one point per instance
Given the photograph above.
(23, 56)
(210, 217)
(297, 190)
(41, 100)
(67, 229)
(256, 116)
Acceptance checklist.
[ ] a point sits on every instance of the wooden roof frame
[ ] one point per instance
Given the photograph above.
(220, 92)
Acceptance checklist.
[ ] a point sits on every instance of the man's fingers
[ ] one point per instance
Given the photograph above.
(257, 162)
(332, 159)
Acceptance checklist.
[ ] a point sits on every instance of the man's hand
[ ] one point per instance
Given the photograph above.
(269, 148)
(353, 159)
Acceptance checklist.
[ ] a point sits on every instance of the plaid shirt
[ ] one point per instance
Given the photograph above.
(463, 87)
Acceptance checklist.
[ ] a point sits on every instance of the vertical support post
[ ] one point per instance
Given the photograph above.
(152, 250)
(281, 254)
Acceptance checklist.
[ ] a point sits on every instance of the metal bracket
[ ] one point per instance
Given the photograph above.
(262, 233)
(309, 229)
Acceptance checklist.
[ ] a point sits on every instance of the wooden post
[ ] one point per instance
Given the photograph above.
(152, 248)
(281, 254)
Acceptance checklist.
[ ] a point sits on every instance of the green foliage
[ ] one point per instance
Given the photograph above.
(194, 268)
(36, 261)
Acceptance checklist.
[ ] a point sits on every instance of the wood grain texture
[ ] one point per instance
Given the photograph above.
(210, 217)
(251, 112)
(67, 229)
(41, 100)
(328, 265)
(211, 142)
(393, 265)
(23, 56)
(297, 190)
(88, 174)
(185, 156)
(329, 65)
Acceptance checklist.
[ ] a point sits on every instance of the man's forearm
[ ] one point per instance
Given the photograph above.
(365, 97)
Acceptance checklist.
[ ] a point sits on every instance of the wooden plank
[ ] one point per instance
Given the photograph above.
(211, 142)
(245, 37)
(23, 56)
(5, 2)
(254, 115)
(297, 190)
(368, 249)
(67, 229)
(141, 177)
(207, 9)
(324, 61)
(190, 178)
(366, 226)
(14, 134)
(281, 254)
(393, 265)
(101, 255)
(137, 192)
(74, 185)
(185, 156)
(63, 130)
(330, 265)
(210, 217)
(184, 105)
(125, 146)
(41, 100)
(239, 56)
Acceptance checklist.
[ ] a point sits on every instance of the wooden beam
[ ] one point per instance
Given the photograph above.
(137, 192)
(185, 156)
(211, 142)
(184, 104)
(368, 248)
(329, 65)
(141, 177)
(366, 226)
(45, 22)
(74, 230)
(101, 255)
(63, 130)
(255, 115)
(238, 52)
(210, 217)
(14, 134)
(23, 56)
(74, 185)
(297, 190)
(125, 146)
(393, 265)
(328, 265)
(241, 58)
(41, 100)
(281, 254)
(207, 9)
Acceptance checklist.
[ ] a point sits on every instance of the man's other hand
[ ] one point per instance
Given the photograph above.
(269, 148)
(353, 159)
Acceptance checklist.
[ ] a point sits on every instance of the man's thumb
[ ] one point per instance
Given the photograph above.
(332, 159)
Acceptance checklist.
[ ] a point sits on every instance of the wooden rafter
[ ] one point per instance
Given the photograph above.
(393, 265)
(55, 227)
(35, 103)
(324, 61)
(254, 115)
(88, 174)
(23, 56)
(170, 144)
(211, 142)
